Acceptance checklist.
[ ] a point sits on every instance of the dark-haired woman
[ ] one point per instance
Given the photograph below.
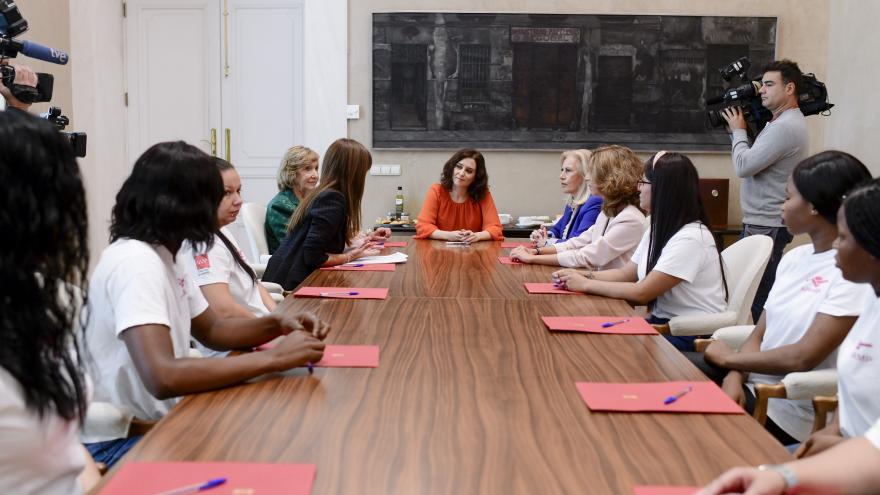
(858, 359)
(676, 269)
(44, 260)
(324, 229)
(811, 307)
(460, 207)
(228, 283)
(144, 306)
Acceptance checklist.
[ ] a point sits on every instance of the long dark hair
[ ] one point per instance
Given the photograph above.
(480, 186)
(675, 202)
(862, 212)
(824, 178)
(344, 169)
(171, 196)
(223, 166)
(43, 266)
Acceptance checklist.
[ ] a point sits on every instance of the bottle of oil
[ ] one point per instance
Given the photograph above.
(398, 203)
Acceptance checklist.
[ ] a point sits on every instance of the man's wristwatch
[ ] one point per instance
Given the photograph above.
(787, 474)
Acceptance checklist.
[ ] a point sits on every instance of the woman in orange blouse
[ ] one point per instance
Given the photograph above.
(460, 207)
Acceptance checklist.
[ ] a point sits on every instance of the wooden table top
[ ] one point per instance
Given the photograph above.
(472, 395)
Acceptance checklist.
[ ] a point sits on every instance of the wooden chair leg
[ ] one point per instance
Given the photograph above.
(763, 394)
(662, 328)
(140, 427)
(822, 405)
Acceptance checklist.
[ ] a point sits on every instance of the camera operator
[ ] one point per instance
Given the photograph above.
(764, 166)
(24, 76)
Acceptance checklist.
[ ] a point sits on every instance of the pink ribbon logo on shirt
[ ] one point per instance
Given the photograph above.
(818, 280)
(864, 344)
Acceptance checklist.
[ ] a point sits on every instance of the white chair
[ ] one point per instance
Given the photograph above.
(253, 216)
(744, 263)
(818, 386)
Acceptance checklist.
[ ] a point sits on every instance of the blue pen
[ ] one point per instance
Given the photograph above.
(612, 323)
(311, 367)
(673, 398)
(196, 487)
(354, 265)
(330, 294)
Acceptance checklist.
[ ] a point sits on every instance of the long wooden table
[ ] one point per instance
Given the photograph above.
(472, 395)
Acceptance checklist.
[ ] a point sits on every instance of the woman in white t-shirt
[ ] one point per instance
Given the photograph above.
(610, 242)
(811, 307)
(43, 259)
(676, 269)
(858, 359)
(228, 283)
(144, 307)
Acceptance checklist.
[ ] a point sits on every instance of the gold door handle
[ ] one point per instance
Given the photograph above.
(212, 142)
(228, 145)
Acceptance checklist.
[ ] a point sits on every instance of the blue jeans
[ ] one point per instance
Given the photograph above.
(112, 450)
(781, 237)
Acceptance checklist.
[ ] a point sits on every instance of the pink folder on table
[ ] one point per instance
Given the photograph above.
(665, 490)
(507, 260)
(704, 397)
(629, 325)
(546, 288)
(354, 267)
(350, 356)
(515, 244)
(150, 478)
(342, 292)
(392, 244)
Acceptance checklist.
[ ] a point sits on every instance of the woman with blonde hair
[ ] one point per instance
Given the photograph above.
(297, 175)
(581, 208)
(611, 241)
(328, 219)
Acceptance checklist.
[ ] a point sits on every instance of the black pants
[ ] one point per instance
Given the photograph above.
(717, 375)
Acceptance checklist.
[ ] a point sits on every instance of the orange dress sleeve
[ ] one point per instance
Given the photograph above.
(491, 222)
(426, 223)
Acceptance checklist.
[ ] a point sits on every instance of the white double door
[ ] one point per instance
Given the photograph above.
(225, 75)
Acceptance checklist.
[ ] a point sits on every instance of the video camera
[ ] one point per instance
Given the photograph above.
(812, 97)
(12, 24)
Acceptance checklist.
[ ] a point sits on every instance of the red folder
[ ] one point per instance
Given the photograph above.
(378, 267)
(392, 244)
(342, 292)
(350, 356)
(705, 397)
(665, 490)
(507, 260)
(150, 478)
(630, 325)
(515, 244)
(546, 288)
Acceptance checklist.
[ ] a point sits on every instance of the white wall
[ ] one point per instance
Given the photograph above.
(853, 76)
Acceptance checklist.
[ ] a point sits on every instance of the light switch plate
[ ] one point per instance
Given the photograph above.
(353, 112)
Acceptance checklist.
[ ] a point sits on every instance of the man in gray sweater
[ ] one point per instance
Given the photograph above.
(764, 166)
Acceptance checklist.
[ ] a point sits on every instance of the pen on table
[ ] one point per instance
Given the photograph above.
(346, 293)
(612, 323)
(195, 487)
(356, 265)
(673, 398)
(311, 367)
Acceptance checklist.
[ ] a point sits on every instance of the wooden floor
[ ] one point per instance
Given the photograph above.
(472, 395)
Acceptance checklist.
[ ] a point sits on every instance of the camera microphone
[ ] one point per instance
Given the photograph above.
(41, 52)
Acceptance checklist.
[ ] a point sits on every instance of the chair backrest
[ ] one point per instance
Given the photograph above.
(744, 264)
(253, 216)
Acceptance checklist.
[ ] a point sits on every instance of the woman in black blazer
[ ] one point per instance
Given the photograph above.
(327, 220)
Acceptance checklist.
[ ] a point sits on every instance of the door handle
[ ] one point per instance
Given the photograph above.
(228, 145)
(212, 141)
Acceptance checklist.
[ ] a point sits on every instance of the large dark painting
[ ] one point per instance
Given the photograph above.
(548, 81)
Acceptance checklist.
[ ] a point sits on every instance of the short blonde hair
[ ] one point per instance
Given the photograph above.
(617, 171)
(582, 157)
(294, 159)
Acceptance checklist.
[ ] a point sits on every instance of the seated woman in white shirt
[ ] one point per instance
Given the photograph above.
(610, 242)
(858, 359)
(849, 468)
(228, 283)
(581, 207)
(44, 259)
(676, 269)
(811, 307)
(144, 306)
